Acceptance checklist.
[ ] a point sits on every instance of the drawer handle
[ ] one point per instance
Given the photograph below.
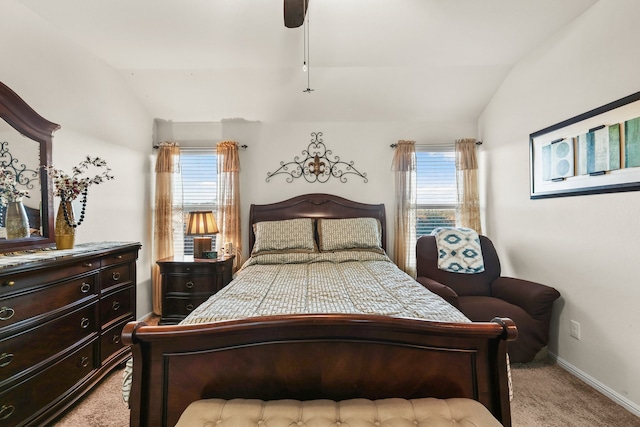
(189, 285)
(9, 283)
(84, 323)
(88, 265)
(84, 362)
(6, 313)
(5, 359)
(115, 306)
(115, 275)
(85, 287)
(115, 339)
(6, 411)
(190, 307)
(119, 257)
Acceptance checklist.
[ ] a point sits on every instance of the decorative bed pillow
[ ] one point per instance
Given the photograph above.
(459, 250)
(349, 233)
(289, 235)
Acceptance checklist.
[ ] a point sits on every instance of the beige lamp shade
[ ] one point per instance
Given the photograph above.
(201, 223)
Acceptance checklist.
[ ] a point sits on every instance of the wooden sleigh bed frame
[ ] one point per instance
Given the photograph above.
(317, 356)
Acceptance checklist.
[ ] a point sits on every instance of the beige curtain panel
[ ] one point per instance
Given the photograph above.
(404, 166)
(167, 164)
(229, 198)
(467, 182)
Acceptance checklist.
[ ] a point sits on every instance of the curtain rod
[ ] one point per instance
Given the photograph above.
(435, 145)
(243, 146)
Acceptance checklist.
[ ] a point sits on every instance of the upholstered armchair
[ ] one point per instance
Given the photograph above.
(485, 295)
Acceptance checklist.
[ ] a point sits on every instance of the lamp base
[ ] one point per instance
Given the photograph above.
(201, 244)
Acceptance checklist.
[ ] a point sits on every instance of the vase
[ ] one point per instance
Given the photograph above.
(65, 234)
(17, 223)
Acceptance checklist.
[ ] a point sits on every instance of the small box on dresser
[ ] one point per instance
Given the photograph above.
(61, 315)
(188, 282)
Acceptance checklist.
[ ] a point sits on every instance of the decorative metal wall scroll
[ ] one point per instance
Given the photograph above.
(25, 177)
(317, 166)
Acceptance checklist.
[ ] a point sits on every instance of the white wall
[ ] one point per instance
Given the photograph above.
(585, 246)
(366, 144)
(98, 116)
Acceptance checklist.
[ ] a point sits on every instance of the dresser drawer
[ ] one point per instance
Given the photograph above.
(27, 350)
(31, 306)
(23, 402)
(118, 258)
(115, 306)
(111, 341)
(20, 281)
(115, 276)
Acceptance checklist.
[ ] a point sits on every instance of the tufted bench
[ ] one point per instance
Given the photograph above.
(426, 412)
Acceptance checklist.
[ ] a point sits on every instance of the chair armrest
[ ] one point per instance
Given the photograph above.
(534, 298)
(438, 288)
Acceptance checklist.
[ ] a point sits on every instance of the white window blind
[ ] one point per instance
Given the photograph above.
(436, 188)
(199, 190)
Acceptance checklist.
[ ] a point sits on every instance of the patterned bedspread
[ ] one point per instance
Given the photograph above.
(357, 282)
(333, 282)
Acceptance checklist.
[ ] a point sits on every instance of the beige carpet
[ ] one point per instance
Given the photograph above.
(545, 395)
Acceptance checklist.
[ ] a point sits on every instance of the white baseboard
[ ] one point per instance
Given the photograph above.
(621, 400)
(145, 317)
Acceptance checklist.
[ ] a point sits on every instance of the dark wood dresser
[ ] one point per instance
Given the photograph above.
(188, 282)
(61, 315)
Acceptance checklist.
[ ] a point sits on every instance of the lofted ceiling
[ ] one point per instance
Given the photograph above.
(369, 60)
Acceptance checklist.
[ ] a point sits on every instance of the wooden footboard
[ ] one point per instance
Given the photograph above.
(316, 356)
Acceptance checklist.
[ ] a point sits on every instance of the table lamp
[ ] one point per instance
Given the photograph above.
(201, 223)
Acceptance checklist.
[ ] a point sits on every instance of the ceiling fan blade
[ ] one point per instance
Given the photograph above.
(294, 12)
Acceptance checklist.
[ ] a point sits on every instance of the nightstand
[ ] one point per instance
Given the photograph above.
(188, 282)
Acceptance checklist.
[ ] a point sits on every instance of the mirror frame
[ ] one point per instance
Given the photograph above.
(30, 124)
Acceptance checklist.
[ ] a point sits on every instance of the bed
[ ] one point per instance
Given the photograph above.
(309, 346)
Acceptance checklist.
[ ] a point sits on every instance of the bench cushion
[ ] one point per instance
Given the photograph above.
(426, 412)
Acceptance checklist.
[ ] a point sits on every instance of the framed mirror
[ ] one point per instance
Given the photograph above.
(25, 147)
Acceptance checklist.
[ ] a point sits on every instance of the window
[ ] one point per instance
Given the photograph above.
(437, 195)
(198, 190)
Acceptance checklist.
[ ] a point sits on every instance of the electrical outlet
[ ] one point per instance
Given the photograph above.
(574, 329)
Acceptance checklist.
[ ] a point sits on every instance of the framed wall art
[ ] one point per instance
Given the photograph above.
(595, 152)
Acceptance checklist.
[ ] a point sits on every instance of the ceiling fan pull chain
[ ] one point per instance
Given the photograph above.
(307, 47)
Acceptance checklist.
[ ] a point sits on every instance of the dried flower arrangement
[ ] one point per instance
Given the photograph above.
(9, 191)
(69, 187)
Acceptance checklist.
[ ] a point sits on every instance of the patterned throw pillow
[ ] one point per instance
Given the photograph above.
(290, 235)
(459, 250)
(349, 233)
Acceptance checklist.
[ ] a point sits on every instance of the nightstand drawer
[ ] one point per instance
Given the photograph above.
(192, 268)
(176, 306)
(191, 284)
